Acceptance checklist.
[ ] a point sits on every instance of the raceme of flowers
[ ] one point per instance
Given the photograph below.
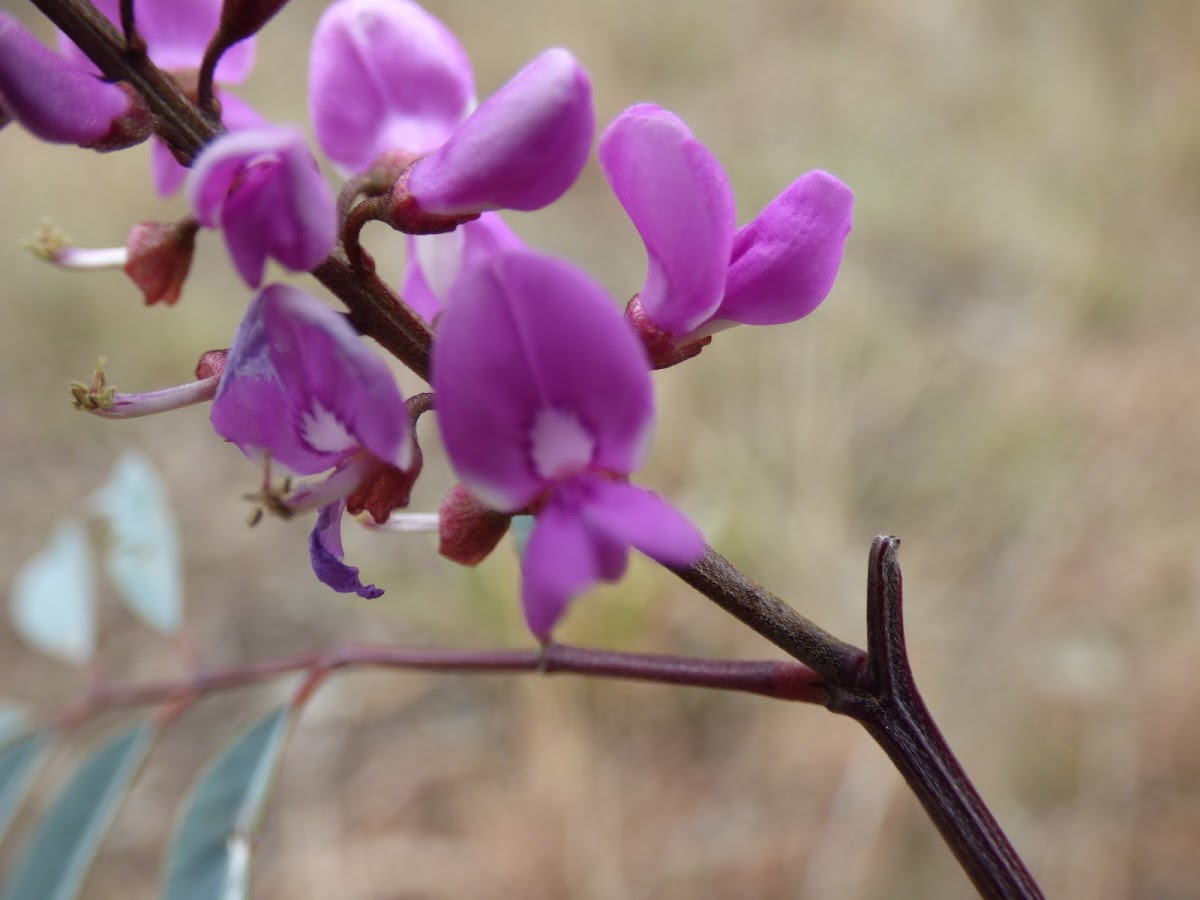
(542, 389)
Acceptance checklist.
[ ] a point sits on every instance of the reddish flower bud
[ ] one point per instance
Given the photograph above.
(467, 530)
(160, 255)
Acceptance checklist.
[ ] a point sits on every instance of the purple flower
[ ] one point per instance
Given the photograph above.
(385, 75)
(703, 275)
(545, 403)
(176, 34)
(59, 103)
(436, 260)
(263, 189)
(521, 149)
(302, 390)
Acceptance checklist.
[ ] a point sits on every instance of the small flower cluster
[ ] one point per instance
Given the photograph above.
(542, 389)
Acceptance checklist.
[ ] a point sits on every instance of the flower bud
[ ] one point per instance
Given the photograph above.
(160, 256)
(467, 530)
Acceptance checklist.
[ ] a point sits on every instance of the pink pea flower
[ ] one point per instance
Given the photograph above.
(59, 103)
(176, 34)
(262, 187)
(301, 389)
(389, 83)
(545, 404)
(385, 75)
(704, 274)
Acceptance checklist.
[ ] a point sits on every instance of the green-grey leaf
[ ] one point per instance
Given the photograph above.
(143, 559)
(19, 763)
(63, 845)
(209, 857)
(51, 602)
(12, 721)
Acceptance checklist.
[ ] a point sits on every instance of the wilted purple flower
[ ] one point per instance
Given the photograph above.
(176, 33)
(703, 275)
(60, 103)
(385, 75)
(436, 260)
(263, 189)
(302, 390)
(545, 403)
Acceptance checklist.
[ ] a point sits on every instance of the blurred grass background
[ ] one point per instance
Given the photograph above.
(1003, 376)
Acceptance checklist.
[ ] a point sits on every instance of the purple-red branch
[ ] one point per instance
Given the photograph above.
(779, 679)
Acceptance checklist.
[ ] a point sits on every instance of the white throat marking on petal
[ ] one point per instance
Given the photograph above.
(324, 432)
(559, 444)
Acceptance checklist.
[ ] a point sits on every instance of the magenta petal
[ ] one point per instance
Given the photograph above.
(166, 172)
(521, 149)
(251, 408)
(54, 100)
(679, 199)
(262, 186)
(176, 33)
(325, 551)
(300, 385)
(639, 518)
(436, 260)
(561, 560)
(524, 337)
(385, 75)
(785, 261)
(344, 391)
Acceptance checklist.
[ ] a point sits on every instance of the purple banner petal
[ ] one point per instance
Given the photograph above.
(385, 75)
(527, 340)
(679, 199)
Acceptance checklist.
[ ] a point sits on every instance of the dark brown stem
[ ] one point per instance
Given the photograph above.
(721, 581)
(779, 679)
(886, 702)
(176, 120)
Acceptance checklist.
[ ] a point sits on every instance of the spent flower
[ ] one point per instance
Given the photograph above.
(302, 390)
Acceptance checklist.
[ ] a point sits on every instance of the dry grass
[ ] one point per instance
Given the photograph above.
(1004, 377)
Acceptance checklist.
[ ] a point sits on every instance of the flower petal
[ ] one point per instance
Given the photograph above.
(679, 199)
(522, 149)
(262, 186)
(561, 559)
(54, 100)
(436, 260)
(785, 261)
(385, 75)
(176, 34)
(336, 380)
(522, 334)
(301, 385)
(166, 172)
(642, 519)
(325, 551)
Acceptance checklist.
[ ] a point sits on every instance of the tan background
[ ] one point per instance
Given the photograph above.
(1004, 376)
